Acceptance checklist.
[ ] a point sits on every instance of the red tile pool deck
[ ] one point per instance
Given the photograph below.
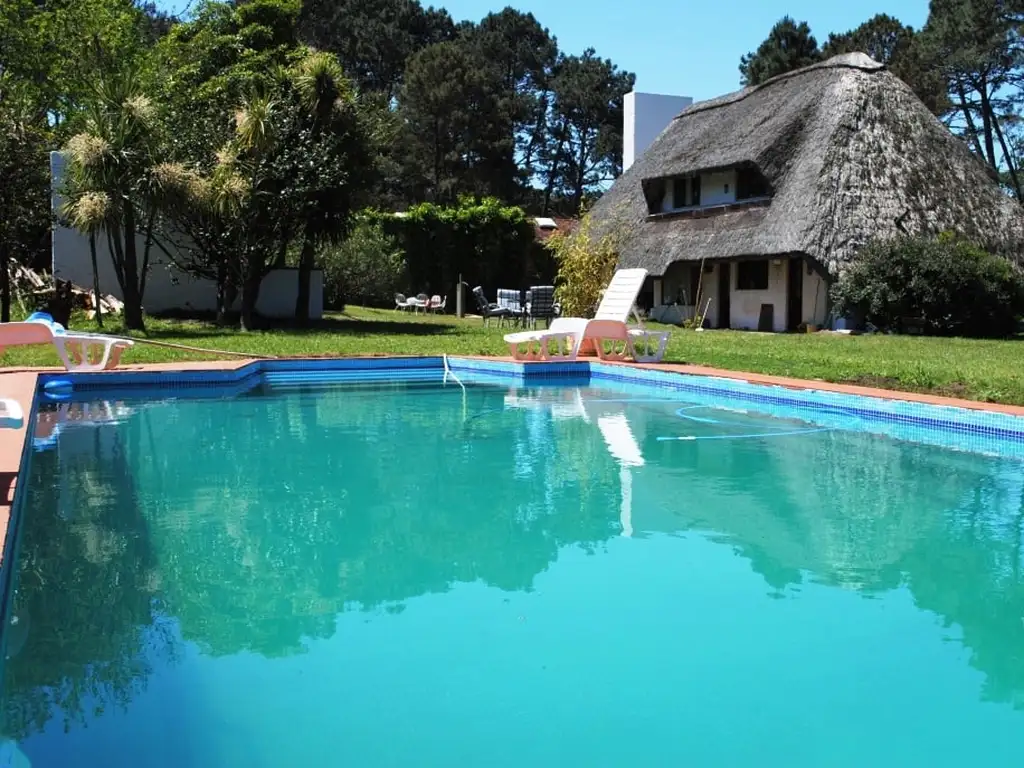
(20, 384)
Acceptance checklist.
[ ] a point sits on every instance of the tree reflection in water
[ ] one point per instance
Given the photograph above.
(251, 525)
(85, 601)
(869, 514)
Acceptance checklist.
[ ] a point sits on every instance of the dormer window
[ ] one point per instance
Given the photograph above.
(680, 187)
(685, 192)
(750, 184)
(706, 193)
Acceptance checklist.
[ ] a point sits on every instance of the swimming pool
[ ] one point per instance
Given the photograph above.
(492, 570)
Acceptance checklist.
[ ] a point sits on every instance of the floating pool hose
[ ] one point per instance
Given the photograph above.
(248, 355)
(741, 437)
(752, 435)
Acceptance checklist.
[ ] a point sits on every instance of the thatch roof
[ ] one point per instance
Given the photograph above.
(850, 153)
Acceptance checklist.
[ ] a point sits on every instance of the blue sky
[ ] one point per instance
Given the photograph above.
(682, 48)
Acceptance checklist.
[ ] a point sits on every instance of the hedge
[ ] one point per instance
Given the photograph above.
(488, 243)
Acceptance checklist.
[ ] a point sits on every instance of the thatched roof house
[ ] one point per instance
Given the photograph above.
(790, 179)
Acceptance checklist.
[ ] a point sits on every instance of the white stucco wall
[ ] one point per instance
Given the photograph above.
(168, 289)
(745, 306)
(815, 311)
(709, 290)
(645, 115)
(718, 188)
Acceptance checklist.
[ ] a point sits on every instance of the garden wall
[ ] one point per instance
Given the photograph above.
(168, 289)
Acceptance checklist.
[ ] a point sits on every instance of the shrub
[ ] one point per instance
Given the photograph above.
(368, 269)
(585, 266)
(945, 286)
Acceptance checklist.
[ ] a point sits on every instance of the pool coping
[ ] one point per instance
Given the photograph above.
(22, 384)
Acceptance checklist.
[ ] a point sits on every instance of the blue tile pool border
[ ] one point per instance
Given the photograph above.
(811, 402)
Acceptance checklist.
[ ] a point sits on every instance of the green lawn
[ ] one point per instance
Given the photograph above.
(981, 370)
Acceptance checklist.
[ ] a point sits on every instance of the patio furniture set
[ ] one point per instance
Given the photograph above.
(519, 308)
(421, 302)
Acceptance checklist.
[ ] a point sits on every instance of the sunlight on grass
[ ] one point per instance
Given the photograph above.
(983, 370)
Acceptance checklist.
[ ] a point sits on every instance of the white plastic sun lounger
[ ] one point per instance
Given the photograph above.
(563, 339)
(77, 351)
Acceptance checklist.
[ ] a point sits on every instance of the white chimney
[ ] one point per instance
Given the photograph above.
(646, 116)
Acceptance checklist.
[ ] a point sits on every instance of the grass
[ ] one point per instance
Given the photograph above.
(991, 371)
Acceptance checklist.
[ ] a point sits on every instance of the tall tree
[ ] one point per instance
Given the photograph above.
(25, 190)
(789, 46)
(449, 108)
(584, 146)
(51, 47)
(976, 45)
(521, 55)
(374, 39)
(290, 170)
(896, 45)
(113, 159)
(325, 160)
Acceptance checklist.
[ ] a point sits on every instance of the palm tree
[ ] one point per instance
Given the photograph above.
(89, 212)
(240, 183)
(114, 156)
(326, 120)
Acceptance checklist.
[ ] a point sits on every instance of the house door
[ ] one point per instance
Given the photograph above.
(724, 293)
(795, 294)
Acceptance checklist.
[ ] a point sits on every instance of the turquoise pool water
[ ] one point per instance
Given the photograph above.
(509, 576)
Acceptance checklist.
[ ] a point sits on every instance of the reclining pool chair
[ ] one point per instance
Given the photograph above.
(563, 339)
(488, 310)
(78, 351)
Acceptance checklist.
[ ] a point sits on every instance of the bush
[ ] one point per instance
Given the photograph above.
(944, 286)
(367, 269)
(585, 266)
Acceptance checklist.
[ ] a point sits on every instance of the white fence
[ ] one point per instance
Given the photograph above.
(168, 289)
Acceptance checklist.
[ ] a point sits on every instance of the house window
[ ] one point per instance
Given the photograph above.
(679, 193)
(752, 276)
(695, 190)
(750, 184)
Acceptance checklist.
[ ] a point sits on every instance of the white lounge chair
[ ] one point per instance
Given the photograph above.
(564, 337)
(77, 351)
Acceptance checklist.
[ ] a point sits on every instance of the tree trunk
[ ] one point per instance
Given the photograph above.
(95, 279)
(132, 295)
(250, 294)
(223, 290)
(965, 109)
(1010, 165)
(987, 117)
(305, 270)
(5, 285)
